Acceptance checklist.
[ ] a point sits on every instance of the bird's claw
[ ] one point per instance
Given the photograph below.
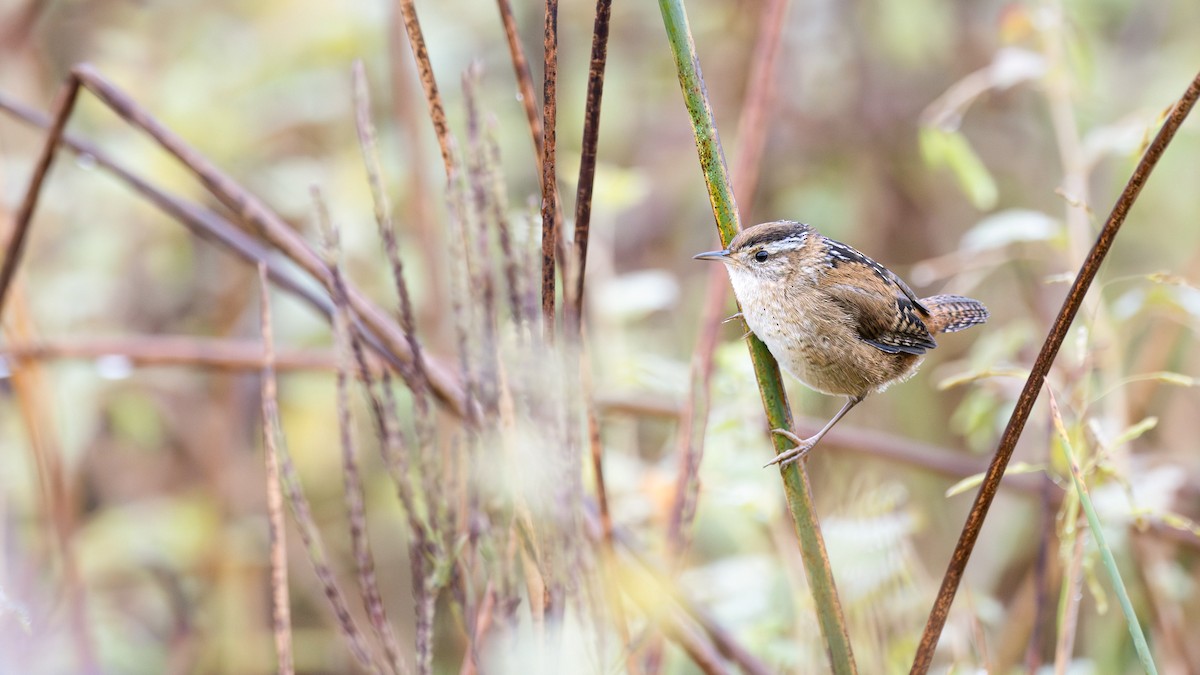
(803, 445)
(731, 317)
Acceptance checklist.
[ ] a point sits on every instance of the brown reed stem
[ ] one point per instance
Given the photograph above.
(521, 69)
(63, 105)
(437, 112)
(549, 176)
(587, 163)
(1041, 366)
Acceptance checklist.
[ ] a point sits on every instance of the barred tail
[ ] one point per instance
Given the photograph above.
(951, 313)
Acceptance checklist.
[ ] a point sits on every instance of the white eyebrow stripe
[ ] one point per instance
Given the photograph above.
(786, 244)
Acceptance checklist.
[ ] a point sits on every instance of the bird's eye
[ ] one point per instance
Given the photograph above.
(761, 256)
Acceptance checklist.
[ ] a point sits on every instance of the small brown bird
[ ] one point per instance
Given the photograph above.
(838, 321)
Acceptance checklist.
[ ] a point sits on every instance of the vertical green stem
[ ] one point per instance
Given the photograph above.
(770, 384)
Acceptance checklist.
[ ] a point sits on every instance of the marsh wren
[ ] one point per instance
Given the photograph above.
(838, 321)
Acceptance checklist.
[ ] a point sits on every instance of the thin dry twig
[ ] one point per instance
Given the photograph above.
(521, 312)
(364, 559)
(247, 207)
(406, 104)
(202, 222)
(1024, 406)
(302, 513)
(486, 215)
(528, 98)
(587, 163)
(525, 90)
(281, 613)
(437, 112)
(216, 353)
(64, 104)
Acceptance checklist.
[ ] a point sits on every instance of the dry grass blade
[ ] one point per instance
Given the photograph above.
(486, 216)
(1012, 432)
(364, 559)
(281, 613)
(369, 145)
(1097, 531)
(302, 513)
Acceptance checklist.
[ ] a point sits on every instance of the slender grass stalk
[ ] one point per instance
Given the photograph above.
(1110, 564)
(281, 613)
(770, 384)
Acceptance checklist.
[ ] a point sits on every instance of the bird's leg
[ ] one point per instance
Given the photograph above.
(806, 444)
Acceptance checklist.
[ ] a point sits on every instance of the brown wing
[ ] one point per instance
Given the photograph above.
(888, 314)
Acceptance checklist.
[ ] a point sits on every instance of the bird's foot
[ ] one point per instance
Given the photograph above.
(803, 445)
(731, 317)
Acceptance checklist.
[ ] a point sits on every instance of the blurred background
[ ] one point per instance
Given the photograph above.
(972, 147)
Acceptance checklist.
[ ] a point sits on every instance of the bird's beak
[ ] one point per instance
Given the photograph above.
(712, 255)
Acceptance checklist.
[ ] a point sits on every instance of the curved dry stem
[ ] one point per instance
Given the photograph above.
(1041, 366)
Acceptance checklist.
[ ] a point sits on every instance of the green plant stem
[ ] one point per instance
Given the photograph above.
(1110, 563)
(770, 384)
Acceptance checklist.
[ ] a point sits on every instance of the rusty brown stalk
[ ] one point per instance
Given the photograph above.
(1041, 366)
(437, 112)
(549, 175)
(521, 70)
(587, 164)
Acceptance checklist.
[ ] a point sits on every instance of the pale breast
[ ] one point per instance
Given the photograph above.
(819, 348)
